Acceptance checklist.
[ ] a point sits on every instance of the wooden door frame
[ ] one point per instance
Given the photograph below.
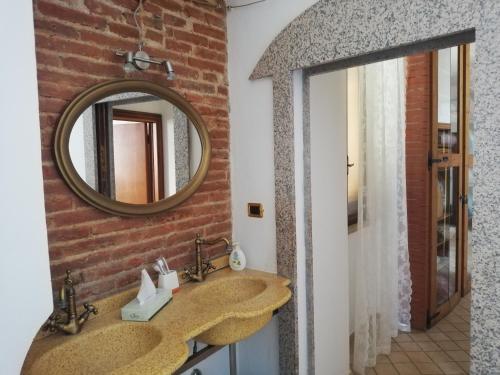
(102, 113)
(468, 163)
(436, 312)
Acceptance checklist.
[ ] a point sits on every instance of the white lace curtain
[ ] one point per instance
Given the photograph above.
(382, 272)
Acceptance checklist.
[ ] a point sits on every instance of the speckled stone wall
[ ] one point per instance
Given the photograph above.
(285, 217)
(363, 31)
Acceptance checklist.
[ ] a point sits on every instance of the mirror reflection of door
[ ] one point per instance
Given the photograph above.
(137, 156)
(130, 157)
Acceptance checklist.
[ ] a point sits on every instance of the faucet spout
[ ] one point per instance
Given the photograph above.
(72, 324)
(202, 267)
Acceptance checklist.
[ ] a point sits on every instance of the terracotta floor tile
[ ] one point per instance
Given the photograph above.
(429, 346)
(399, 357)
(385, 369)
(434, 329)
(420, 337)
(403, 337)
(464, 344)
(438, 337)
(458, 355)
(407, 369)
(456, 336)
(450, 368)
(447, 327)
(382, 358)
(465, 366)
(439, 357)
(441, 350)
(396, 348)
(428, 368)
(454, 318)
(410, 347)
(465, 315)
(448, 345)
(463, 326)
(419, 357)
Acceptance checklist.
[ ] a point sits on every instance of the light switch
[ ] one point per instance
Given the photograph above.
(255, 210)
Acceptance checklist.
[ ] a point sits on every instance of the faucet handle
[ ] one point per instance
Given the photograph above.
(50, 324)
(68, 280)
(209, 265)
(188, 271)
(90, 308)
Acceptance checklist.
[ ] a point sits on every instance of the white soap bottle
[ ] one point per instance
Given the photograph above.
(237, 259)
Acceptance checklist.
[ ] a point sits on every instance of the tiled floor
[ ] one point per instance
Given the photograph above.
(443, 349)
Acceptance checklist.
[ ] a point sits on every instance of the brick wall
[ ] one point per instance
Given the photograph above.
(418, 136)
(75, 40)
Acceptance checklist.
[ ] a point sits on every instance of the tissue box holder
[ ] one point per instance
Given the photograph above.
(142, 313)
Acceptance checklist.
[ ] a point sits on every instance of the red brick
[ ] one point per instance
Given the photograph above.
(209, 31)
(154, 36)
(171, 20)
(197, 86)
(216, 45)
(206, 65)
(194, 39)
(75, 43)
(56, 28)
(216, 21)
(70, 14)
(104, 9)
(194, 12)
(174, 45)
(209, 54)
(125, 31)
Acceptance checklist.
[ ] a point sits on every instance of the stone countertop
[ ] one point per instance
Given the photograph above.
(164, 338)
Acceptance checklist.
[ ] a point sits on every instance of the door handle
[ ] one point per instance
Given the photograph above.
(464, 199)
(436, 160)
(349, 165)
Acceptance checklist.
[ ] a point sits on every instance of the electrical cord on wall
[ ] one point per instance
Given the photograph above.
(244, 5)
(139, 28)
(229, 7)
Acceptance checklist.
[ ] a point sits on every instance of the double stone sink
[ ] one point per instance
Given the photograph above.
(228, 307)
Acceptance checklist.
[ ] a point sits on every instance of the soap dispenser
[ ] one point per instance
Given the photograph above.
(237, 259)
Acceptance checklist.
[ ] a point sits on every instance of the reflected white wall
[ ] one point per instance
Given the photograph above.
(77, 147)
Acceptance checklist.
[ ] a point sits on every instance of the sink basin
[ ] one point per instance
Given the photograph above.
(99, 352)
(229, 293)
(228, 307)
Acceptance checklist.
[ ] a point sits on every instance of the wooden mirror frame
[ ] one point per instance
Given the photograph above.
(98, 200)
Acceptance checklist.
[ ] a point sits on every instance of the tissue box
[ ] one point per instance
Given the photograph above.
(143, 313)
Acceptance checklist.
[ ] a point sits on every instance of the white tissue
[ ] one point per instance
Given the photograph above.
(147, 289)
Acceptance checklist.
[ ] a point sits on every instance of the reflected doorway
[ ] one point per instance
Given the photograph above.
(141, 133)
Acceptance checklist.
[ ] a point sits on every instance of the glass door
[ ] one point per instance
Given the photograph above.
(446, 163)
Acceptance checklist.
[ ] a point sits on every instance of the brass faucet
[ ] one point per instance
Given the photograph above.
(73, 323)
(202, 267)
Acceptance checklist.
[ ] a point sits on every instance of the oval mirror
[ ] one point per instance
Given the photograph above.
(132, 147)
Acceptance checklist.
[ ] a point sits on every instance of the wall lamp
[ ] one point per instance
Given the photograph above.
(140, 60)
